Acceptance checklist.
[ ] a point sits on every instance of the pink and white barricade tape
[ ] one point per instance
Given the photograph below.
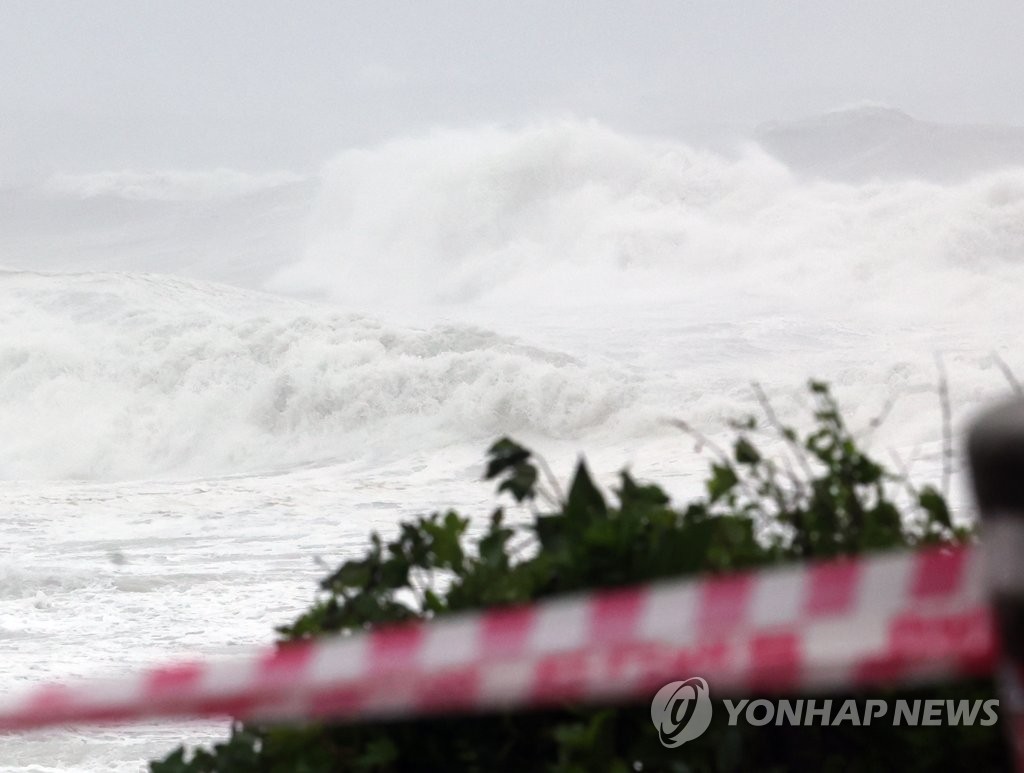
(839, 625)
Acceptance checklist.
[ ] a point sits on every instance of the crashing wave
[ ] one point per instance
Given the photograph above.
(119, 376)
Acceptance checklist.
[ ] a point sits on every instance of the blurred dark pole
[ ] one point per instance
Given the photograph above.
(996, 449)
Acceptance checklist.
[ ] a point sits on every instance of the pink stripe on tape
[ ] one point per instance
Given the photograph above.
(776, 660)
(228, 705)
(449, 690)
(937, 572)
(832, 588)
(49, 704)
(560, 677)
(505, 632)
(286, 662)
(953, 635)
(342, 702)
(395, 648)
(614, 615)
(172, 681)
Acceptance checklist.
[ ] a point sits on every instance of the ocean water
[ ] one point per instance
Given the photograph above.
(214, 383)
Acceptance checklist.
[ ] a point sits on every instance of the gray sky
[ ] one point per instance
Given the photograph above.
(109, 84)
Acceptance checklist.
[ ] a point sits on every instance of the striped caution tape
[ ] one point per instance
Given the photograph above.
(850, 623)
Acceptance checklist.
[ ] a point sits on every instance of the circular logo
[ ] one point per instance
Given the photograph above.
(681, 711)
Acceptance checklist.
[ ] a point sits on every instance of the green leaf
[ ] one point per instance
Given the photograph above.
(504, 454)
(521, 484)
(394, 573)
(172, 763)
(723, 479)
(934, 504)
(745, 452)
(632, 493)
(351, 574)
(445, 540)
(491, 547)
(585, 501)
(432, 602)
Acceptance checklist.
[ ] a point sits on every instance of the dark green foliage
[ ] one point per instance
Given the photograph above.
(820, 496)
(512, 462)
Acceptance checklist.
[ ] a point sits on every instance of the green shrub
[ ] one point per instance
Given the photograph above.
(820, 496)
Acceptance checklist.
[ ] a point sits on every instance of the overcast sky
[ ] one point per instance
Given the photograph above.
(254, 84)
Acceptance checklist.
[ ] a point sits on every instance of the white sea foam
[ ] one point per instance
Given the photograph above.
(115, 376)
(574, 212)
